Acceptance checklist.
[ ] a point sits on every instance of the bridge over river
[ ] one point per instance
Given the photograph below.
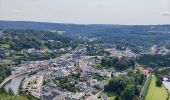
(16, 75)
(10, 78)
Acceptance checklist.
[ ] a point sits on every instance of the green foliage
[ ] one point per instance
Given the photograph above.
(25, 39)
(94, 50)
(14, 44)
(65, 84)
(10, 92)
(127, 87)
(76, 76)
(5, 71)
(111, 95)
(158, 83)
(154, 60)
(109, 62)
(154, 92)
(125, 63)
(119, 64)
(162, 72)
(4, 46)
(145, 87)
(13, 97)
(98, 77)
(3, 91)
(4, 95)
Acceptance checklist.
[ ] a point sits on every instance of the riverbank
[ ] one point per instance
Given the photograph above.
(4, 96)
(27, 94)
(14, 83)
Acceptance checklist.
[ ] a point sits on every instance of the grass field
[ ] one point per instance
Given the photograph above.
(15, 97)
(111, 95)
(4, 46)
(138, 66)
(15, 57)
(156, 93)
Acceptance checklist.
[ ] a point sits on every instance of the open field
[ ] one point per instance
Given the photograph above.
(138, 66)
(16, 97)
(4, 46)
(156, 93)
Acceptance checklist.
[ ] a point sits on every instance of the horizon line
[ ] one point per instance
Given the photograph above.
(50, 22)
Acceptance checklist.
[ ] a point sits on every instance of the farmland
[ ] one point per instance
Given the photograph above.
(156, 93)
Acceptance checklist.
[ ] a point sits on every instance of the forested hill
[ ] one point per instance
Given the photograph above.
(80, 28)
(131, 35)
(70, 28)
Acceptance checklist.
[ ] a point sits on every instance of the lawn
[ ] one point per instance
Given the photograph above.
(98, 66)
(138, 66)
(156, 93)
(15, 97)
(15, 57)
(111, 95)
(4, 46)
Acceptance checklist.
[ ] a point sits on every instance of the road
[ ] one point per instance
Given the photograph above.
(145, 84)
(94, 97)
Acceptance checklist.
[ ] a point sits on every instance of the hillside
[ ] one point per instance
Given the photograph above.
(133, 36)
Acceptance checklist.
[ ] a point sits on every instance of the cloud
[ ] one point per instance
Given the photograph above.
(165, 13)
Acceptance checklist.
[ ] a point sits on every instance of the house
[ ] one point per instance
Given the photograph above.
(60, 97)
(82, 86)
(145, 72)
(93, 82)
(61, 73)
(78, 96)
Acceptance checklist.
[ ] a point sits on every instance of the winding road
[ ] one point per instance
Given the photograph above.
(94, 97)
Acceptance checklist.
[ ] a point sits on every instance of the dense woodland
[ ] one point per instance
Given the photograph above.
(127, 87)
(14, 43)
(5, 71)
(25, 39)
(119, 64)
(154, 60)
(133, 36)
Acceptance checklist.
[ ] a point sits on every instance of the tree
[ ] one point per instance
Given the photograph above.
(153, 65)
(10, 92)
(130, 72)
(129, 92)
(1, 79)
(159, 82)
(2, 90)
(127, 87)
(103, 62)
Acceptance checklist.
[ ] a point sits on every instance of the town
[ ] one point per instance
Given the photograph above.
(72, 76)
(59, 65)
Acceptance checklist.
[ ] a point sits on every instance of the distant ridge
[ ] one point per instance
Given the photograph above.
(69, 28)
(74, 28)
(32, 25)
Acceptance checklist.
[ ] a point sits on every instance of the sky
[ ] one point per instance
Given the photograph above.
(127, 12)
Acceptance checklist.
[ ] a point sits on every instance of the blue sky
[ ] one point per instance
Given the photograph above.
(87, 11)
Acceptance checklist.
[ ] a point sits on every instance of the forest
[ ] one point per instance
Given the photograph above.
(127, 87)
(138, 37)
(5, 71)
(119, 64)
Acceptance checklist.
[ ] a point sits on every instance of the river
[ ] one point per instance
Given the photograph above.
(14, 83)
